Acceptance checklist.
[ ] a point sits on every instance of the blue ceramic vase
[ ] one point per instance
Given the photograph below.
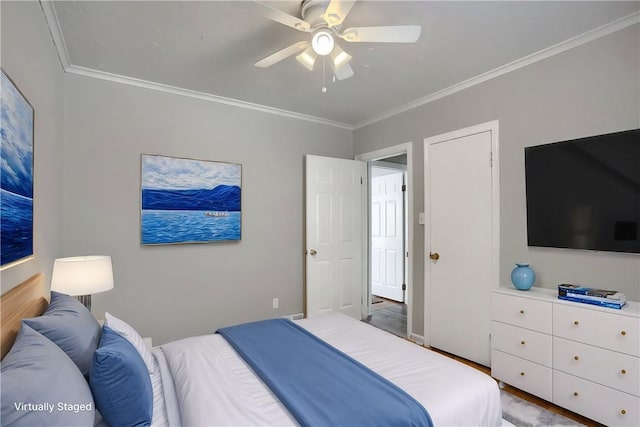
(523, 276)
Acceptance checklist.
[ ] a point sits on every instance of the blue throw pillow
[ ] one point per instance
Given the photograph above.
(71, 326)
(120, 382)
(41, 386)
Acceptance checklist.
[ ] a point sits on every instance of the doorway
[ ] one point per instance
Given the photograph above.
(389, 290)
(387, 213)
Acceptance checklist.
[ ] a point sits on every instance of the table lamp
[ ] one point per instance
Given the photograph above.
(82, 276)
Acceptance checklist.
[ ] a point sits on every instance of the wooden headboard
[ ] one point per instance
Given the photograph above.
(28, 299)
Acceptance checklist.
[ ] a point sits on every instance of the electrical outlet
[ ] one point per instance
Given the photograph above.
(276, 303)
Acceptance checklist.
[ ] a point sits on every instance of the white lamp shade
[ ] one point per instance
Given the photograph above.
(339, 58)
(82, 275)
(307, 58)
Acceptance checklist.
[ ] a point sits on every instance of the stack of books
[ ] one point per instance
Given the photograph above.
(601, 297)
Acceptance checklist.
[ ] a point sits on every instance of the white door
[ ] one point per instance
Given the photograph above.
(334, 197)
(461, 258)
(387, 233)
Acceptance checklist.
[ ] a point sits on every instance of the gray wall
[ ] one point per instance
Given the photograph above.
(30, 60)
(588, 90)
(90, 146)
(169, 292)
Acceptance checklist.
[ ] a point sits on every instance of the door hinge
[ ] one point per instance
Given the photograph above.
(360, 180)
(404, 286)
(490, 159)
(404, 187)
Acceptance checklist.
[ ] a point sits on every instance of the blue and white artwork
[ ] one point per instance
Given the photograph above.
(16, 174)
(189, 201)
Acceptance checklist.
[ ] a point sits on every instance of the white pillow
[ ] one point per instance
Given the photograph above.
(159, 418)
(131, 335)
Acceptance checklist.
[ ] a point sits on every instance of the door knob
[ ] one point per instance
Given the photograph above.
(434, 256)
(313, 252)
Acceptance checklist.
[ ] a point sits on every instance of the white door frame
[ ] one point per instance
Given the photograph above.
(396, 150)
(492, 127)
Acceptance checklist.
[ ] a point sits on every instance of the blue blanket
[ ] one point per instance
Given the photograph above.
(318, 384)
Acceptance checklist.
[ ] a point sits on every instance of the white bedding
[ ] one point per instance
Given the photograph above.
(205, 382)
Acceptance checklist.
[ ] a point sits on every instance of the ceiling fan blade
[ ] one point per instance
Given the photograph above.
(391, 34)
(281, 54)
(343, 72)
(308, 58)
(284, 18)
(337, 11)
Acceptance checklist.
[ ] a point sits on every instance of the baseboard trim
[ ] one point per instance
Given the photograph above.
(418, 339)
(295, 316)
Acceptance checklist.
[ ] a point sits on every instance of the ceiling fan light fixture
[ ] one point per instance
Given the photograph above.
(307, 58)
(322, 42)
(339, 57)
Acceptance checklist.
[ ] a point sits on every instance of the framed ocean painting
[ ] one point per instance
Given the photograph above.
(16, 175)
(189, 201)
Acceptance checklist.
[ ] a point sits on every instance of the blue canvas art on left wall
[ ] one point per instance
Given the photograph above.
(16, 177)
(189, 201)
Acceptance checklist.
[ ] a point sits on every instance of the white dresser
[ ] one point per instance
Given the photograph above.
(579, 356)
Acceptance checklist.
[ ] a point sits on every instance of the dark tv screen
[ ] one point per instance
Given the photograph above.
(585, 193)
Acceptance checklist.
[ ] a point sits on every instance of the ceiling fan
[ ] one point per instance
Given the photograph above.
(323, 20)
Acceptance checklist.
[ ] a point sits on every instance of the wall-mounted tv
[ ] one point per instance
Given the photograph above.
(585, 193)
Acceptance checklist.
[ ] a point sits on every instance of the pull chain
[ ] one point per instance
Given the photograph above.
(324, 74)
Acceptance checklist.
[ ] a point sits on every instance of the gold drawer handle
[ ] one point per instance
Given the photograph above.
(576, 323)
(575, 393)
(623, 412)
(522, 342)
(623, 372)
(576, 357)
(522, 374)
(623, 333)
(521, 311)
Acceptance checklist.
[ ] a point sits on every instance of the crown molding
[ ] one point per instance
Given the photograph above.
(63, 54)
(56, 33)
(576, 41)
(131, 81)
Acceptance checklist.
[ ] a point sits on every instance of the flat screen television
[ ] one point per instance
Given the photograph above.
(585, 193)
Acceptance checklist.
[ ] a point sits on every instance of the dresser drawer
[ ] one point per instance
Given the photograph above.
(610, 331)
(523, 312)
(616, 370)
(520, 373)
(520, 342)
(595, 401)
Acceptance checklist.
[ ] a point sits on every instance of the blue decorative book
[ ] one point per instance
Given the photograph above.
(599, 302)
(566, 289)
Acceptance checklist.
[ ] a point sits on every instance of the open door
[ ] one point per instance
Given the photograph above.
(387, 232)
(334, 235)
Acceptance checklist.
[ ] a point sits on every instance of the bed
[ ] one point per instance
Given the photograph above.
(203, 380)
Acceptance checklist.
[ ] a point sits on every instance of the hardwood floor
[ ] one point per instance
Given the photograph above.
(526, 396)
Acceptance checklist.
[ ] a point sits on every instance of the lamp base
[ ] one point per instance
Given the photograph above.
(85, 300)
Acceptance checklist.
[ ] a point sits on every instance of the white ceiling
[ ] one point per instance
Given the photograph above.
(209, 47)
